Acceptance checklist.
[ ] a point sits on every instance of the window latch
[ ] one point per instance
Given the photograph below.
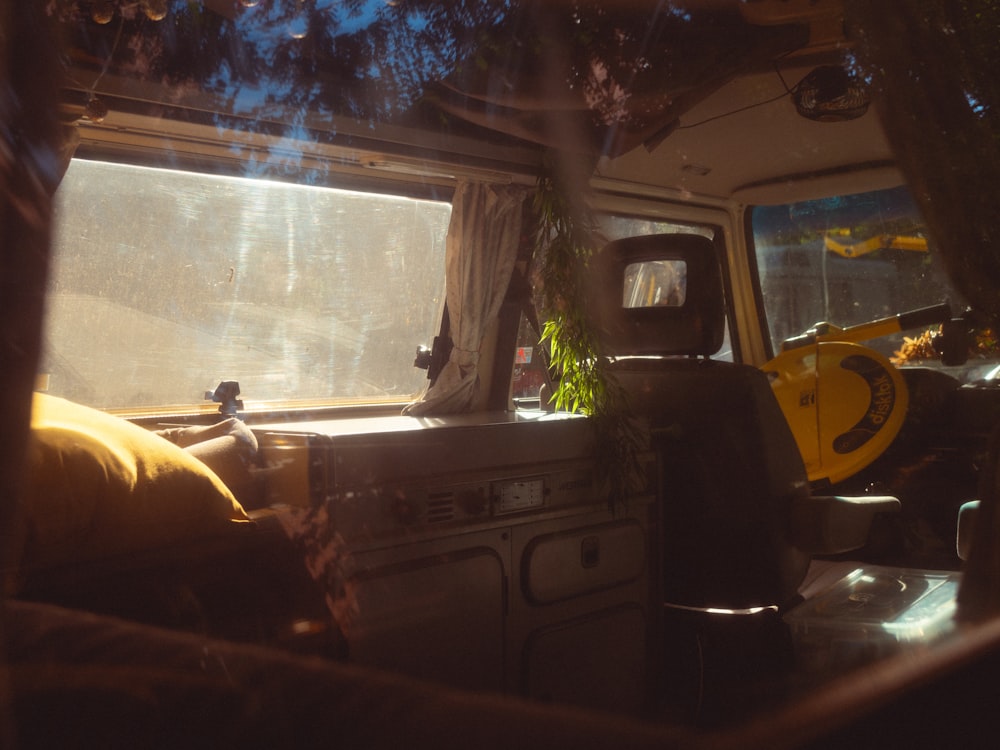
(225, 395)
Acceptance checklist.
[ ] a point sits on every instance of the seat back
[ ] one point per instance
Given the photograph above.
(729, 468)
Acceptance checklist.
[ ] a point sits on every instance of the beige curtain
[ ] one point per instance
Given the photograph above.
(482, 245)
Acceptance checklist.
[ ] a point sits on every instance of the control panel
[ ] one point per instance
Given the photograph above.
(383, 477)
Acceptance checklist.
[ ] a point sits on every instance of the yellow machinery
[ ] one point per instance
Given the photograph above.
(879, 242)
(844, 402)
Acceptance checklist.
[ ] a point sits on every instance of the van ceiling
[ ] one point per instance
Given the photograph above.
(695, 96)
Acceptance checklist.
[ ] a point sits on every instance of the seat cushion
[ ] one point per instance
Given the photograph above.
(99, 486)
(730, 474)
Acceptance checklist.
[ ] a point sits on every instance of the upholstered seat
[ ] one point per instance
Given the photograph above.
(738, 523)
(730, 471)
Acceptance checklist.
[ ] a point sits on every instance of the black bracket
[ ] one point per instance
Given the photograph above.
(434, 359)
(225, 395)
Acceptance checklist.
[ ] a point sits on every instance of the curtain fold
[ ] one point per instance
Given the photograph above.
(481, 248)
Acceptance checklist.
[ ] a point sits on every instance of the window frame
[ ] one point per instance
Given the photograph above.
(325, 176)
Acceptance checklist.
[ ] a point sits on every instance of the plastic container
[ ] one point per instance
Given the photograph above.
(871, 613)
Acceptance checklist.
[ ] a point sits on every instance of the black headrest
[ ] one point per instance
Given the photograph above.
(642, 306)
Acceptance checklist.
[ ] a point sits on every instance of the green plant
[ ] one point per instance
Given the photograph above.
(583, 378)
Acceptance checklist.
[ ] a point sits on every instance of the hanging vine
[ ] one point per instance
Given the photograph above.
(582, 378)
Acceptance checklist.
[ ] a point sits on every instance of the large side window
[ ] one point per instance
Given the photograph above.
(167, 282)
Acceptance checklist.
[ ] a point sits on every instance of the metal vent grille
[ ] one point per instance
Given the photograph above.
(440, 507)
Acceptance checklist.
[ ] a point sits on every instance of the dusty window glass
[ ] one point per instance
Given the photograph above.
(854, 259)
(167, 282)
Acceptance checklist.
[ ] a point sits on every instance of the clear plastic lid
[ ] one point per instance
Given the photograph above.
(904, 604)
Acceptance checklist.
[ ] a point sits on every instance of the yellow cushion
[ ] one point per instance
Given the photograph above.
(99, 486)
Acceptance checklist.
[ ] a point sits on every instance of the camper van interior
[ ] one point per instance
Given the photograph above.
(492, 373)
